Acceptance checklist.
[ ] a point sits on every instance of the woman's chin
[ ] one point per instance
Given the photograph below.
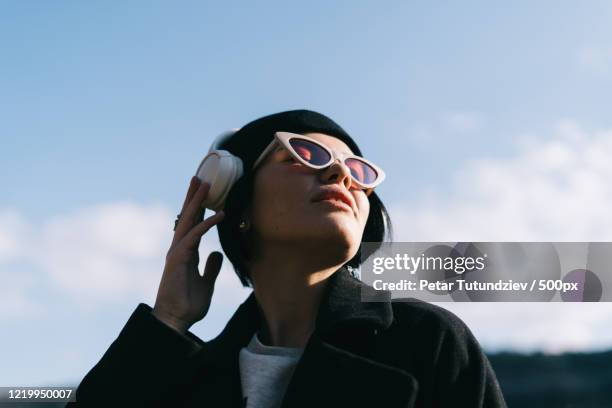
(334, 216)
(339, 237)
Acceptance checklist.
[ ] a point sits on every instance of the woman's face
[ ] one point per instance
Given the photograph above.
(283, 211)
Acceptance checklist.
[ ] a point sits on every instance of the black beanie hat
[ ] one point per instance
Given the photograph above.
(250, 141)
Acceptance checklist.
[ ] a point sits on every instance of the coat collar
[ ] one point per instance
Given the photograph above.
(335, 359)
(342, 305)
(340, 308)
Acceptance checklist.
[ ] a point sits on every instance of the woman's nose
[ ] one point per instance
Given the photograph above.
(338, 172)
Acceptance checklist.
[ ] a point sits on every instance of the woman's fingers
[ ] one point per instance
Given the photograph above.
(193, 213)
(193, 187)
(194, 184)
(192, 238)
(212, 268)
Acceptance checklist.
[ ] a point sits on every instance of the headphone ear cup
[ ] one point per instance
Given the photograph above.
(220, 169)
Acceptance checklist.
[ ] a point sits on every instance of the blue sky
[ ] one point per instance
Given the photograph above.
(107, 108)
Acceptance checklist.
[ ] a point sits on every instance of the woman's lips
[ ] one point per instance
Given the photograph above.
(336, 203)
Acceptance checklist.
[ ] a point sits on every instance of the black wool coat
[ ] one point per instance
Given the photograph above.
(361, 354)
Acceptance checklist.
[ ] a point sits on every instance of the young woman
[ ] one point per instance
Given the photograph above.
(292, 227)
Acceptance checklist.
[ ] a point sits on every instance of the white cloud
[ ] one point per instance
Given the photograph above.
(557, 188)
(97, 255)
(105, 251)
(13, 229)
(554, 189)
(15, 300)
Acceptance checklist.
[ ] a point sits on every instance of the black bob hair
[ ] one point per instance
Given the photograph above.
(248, 143)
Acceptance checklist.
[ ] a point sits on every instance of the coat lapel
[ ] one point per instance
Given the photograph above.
(329, 376)
(338, 366)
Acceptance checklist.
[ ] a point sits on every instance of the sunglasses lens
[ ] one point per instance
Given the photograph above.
(318, 156)
(361, 171)
(310, 152)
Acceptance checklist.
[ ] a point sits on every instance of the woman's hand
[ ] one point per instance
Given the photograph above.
(184, 296)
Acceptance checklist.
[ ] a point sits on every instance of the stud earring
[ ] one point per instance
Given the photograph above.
(244, 225)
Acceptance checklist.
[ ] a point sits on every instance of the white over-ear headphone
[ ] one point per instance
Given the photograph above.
(220, 169)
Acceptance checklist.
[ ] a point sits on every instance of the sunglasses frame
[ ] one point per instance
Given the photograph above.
(283, 139)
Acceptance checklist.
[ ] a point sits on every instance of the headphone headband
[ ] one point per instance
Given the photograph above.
(222, 138)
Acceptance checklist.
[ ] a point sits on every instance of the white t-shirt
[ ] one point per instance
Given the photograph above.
(265, 372)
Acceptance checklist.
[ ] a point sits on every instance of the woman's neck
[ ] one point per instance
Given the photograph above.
(289, 295)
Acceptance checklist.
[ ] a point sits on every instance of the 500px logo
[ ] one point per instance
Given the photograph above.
(412, 264)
